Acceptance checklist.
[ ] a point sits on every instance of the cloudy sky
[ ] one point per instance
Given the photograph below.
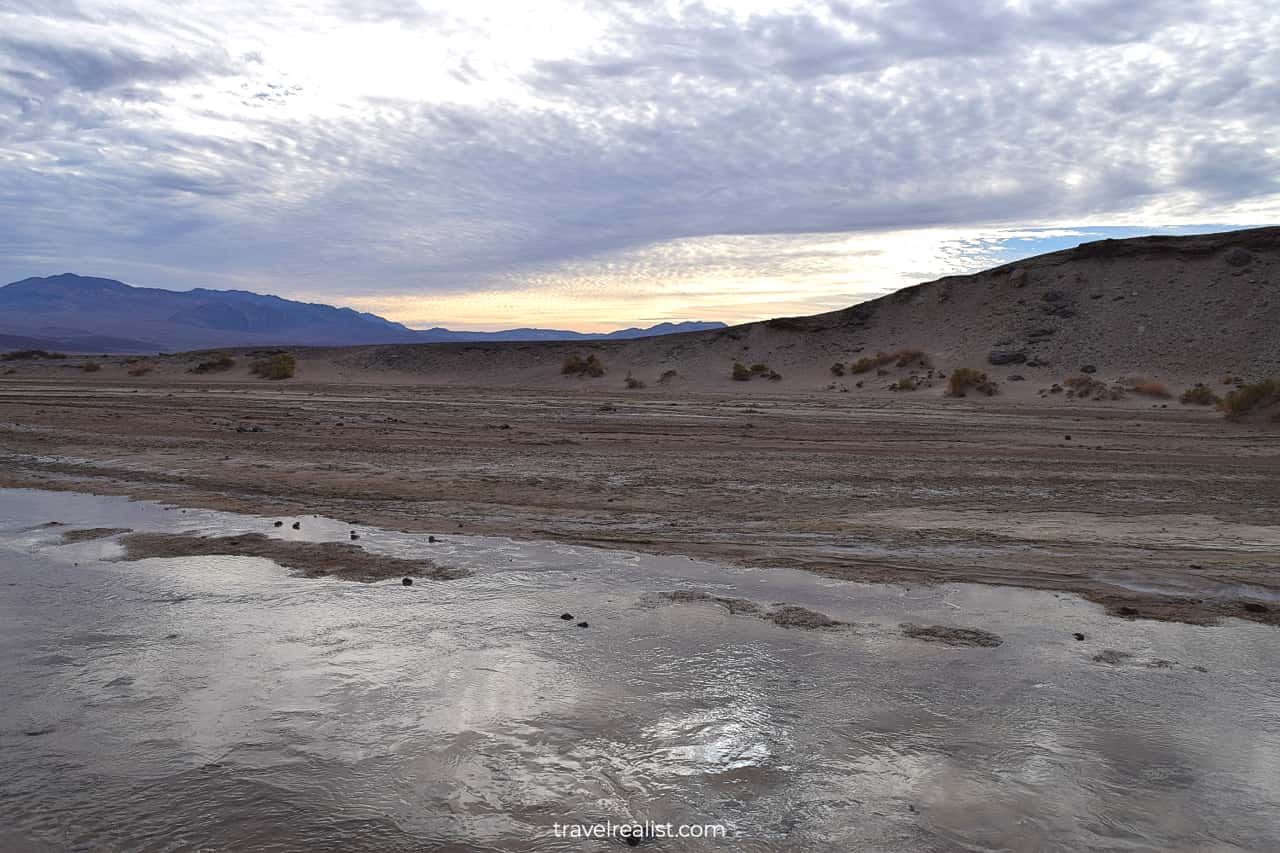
(602, 163)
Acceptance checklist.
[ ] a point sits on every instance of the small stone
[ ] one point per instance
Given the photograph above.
(568, 617)
(583, 625)
(1078, 636)
(432, 539)
(354, 536)
(297, 525)
(407, 581)
(279, 524)
(1067, 437)
(1088, 368)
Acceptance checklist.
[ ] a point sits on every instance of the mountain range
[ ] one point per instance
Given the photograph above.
(74, 313)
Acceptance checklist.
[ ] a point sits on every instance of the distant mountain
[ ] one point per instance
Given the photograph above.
(76, 313)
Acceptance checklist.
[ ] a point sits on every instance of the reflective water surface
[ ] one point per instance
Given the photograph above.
(219, 703)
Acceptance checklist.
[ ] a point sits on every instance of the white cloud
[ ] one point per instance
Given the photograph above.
(621, 160)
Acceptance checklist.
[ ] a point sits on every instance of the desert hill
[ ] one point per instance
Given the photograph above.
(1182, 309)
(1172, 310)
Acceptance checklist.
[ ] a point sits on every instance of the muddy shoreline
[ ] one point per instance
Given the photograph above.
(1152, 514)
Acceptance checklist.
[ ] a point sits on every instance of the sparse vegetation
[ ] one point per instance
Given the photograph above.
(838, 368)
(1084, 387)
(279, 366)
(576, 365)
(140, 368)
(215, 364)
(1251, 397)
(898, 358)
(742, 373)
(910, 383)
(632, 382)
(91, 367)
(965, 379)
(1150, 388)
(28, 354)
(1199, 395)
(668, 376)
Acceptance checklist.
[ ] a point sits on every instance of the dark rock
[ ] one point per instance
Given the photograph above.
(407, 581)
(584, 625)
(1017, 377)
(1238, 257)
(279, 524)
(1042, 332)
(568, 617)
(297, 525)
(1055, 296)
(1078, 635)
(1037, 362)
(1066, 437)
(432, 539)
(1254, 607)
(1088, 368)
(1018, 278)
(354, 536)
(997, 356)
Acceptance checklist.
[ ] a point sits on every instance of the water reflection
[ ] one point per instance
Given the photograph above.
(220, 702)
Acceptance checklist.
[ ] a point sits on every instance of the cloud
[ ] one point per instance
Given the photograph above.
(385, 151)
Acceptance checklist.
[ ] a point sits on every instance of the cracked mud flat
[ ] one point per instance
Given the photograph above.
(147, 703)
(1154, 514)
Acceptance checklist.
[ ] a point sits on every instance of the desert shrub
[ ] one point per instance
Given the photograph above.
(910, 383)
(1149, 388)
(1247, 398)
(91, 367)
(898, 358)
(279, 366)
(632, 382)
(964, 379)
(838, 368)
(1083, 387)
(576, 365)
(217, 362)
(27, 354)
(668, 376)
(1199, 395)
(141, 368)
(740, 372)
(774, 376)
(759, 369)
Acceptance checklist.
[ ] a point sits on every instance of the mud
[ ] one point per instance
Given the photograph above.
(92, 533)
(951, 636)
(309, 559)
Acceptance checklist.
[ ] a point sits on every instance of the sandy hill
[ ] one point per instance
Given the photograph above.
(1180, 309)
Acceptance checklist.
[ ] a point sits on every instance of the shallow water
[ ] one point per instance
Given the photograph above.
(220, 703)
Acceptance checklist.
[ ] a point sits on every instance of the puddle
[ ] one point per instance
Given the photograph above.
(170, 703)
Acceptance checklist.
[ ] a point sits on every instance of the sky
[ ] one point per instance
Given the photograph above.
(608, 163)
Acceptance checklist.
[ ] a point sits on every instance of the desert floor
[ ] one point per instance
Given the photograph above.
(1162, 513)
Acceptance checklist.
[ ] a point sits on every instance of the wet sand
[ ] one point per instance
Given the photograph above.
(1154, 513)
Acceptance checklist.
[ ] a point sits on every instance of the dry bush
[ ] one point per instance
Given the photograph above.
(1248, 398)
(28, 354)
(740, 372)
(759, 369)
(838, 368)
(668, 376)
(216, 363)
(91, 367)
(898, 358)
(1150, 388)
(1085, 387)
(140, 368)
(1199, 395)
(632, 382)
(910, 383)
(576, 365)
(964, 379)
(279, 366)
